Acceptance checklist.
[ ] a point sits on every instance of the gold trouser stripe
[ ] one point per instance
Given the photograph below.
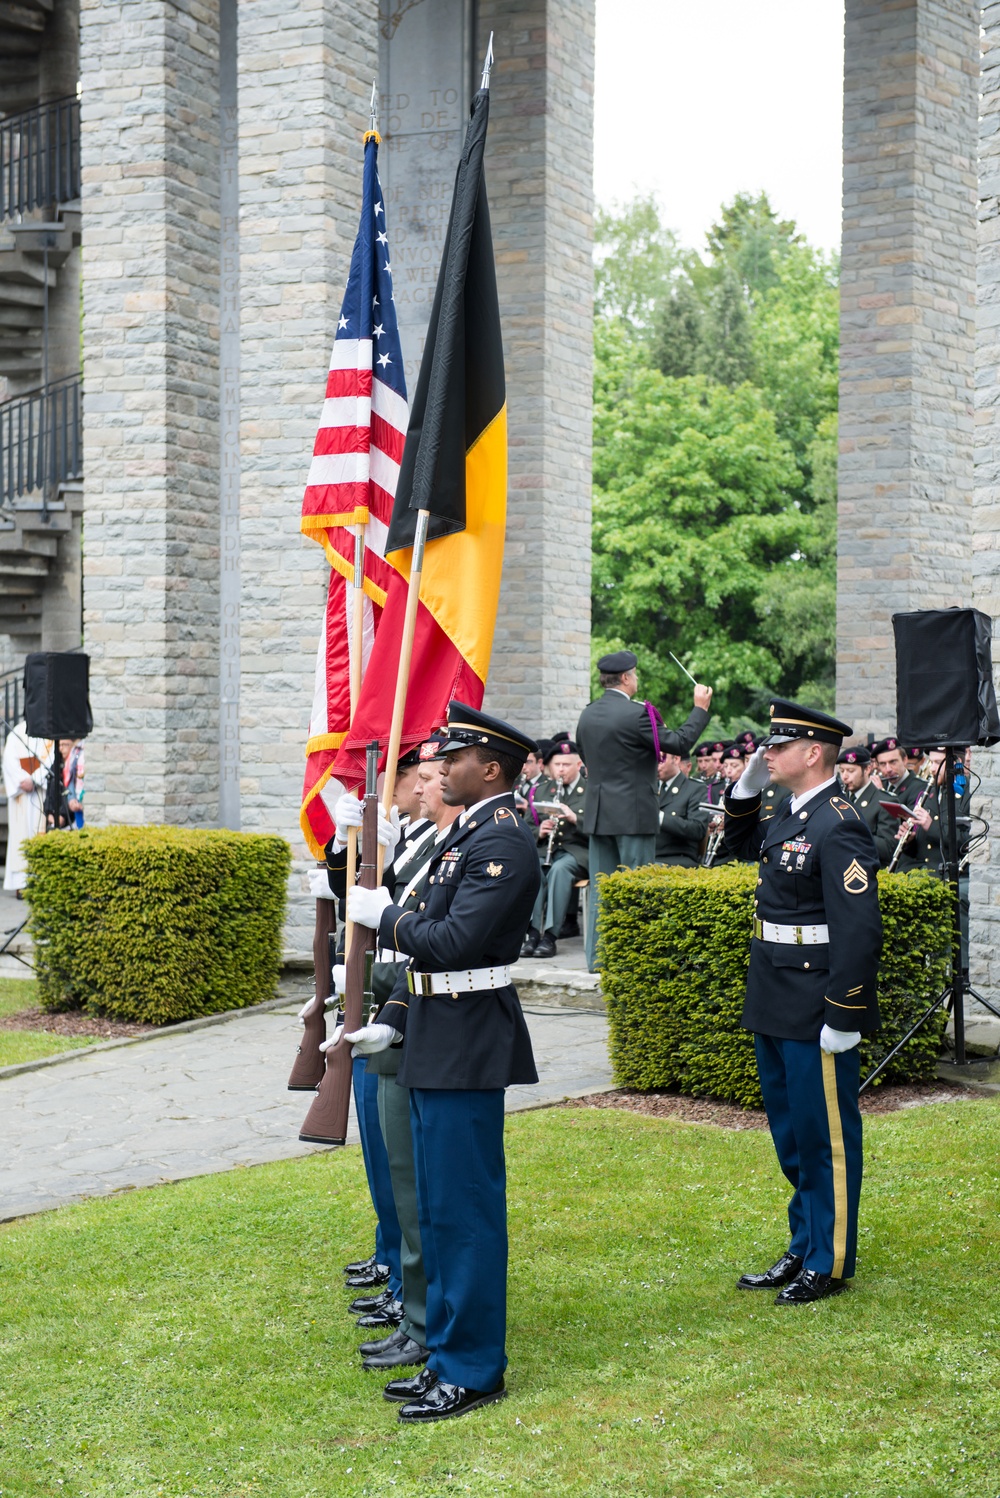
(839, 1162)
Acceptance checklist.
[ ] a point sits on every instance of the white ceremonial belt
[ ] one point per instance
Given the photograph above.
(791, 936)
(389, 954)
(469, 980)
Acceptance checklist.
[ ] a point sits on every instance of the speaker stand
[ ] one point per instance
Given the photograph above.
(951, 998)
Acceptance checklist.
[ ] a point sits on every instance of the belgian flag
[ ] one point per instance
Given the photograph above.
(454, 465)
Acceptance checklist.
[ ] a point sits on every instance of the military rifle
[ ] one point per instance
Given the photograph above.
(326, 1121)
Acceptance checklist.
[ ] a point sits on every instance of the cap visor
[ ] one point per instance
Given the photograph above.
(776, 738)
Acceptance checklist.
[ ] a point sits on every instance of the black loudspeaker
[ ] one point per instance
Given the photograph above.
(57, 695)
(944, 678)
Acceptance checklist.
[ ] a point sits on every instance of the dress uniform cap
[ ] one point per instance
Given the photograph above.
(468, 727)
(856, 755)
(421, 752)
(617, 662)
(790, 720)
(884, 746)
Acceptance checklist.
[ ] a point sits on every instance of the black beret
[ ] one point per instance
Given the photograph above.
(884, 746)
(856, 755)
(617, 662)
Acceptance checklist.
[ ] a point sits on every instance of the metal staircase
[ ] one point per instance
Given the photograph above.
(41, 458)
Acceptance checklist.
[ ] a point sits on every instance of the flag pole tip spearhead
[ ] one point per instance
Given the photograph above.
(372, 132)
(487, 64)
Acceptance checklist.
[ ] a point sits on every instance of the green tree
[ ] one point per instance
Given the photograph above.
(636, 260)
(751, 239)
(725, 343)
(676, 334)
(691, 517)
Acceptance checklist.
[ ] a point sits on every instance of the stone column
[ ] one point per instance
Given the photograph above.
(150, 155)
(907, 332)
(985, 882)
(540, 177)
(305, 76)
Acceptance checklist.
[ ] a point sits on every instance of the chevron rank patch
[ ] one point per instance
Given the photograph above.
(494, 870)
(855, 878)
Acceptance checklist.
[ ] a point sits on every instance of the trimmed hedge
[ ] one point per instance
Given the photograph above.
(156, 924)
(675, 948)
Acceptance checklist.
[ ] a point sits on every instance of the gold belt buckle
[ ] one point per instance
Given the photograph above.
(418, 983)
(758, 928)
(799, 939)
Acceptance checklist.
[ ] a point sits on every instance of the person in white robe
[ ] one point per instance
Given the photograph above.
(25, 762)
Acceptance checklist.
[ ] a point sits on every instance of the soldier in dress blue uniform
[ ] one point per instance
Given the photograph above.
(464, 1040)
(811, 988)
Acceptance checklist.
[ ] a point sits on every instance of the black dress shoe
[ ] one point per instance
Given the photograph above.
(808, 1286)
(408, 1354)
(779, 1274)
(369, 1279)
(531, 940)
(359, 1266)
(447, 1400)
(391, 1314)
(546, 946)
(394, 1339)
(567, 929)
(402, 1390)
(365, 1303)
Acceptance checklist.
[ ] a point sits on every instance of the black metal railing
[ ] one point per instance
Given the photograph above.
(12, 690)
(40, 157)
(41, 440)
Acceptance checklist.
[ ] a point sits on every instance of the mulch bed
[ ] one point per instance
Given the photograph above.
(888, 1099)
(73, 1024)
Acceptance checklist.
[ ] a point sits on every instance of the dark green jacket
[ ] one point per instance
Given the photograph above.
(615, 739)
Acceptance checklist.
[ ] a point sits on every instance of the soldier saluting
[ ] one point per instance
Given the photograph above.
(811, 988)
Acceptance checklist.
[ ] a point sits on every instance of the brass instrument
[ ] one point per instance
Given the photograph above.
(716, 832)
(907, 826)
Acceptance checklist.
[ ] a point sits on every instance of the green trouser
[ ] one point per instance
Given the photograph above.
(394, 1117)
(606, 855)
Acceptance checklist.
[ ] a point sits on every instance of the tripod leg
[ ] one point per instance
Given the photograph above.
(943, 998)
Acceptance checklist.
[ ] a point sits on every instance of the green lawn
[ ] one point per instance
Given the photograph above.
(192, 1340)
(28, 1045)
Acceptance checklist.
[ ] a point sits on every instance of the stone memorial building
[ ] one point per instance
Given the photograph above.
(195, 167)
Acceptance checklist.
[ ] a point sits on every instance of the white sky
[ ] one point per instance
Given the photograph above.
(697, 100)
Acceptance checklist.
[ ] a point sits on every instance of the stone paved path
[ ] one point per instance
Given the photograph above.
(206, 1100)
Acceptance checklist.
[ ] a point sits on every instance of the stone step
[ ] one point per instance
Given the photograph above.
(35, 239)
(15, 540)
(18, 566)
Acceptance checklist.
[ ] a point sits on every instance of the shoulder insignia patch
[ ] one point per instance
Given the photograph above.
(840, 806)
(494, 870)
(855, 878)
(504, 814)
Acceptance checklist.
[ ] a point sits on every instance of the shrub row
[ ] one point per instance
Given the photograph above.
(675, 948)
(156, 924)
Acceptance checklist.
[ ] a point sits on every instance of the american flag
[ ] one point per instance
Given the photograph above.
(352, 484)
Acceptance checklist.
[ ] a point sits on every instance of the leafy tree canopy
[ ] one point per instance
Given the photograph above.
(715, 458)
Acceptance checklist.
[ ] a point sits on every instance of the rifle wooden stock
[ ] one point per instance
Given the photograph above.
(326, 1121)
(310, 1064)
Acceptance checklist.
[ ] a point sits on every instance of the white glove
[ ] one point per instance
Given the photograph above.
(339, 976)
(388, 831)
(373, 1038)
(365, 906)
(328, 1045)
(347, 813)
(756, 777)
(332, 1001)
(319, 885)
(835, 1041)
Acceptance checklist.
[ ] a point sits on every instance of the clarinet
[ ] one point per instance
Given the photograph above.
(901, 834)
(556, 796)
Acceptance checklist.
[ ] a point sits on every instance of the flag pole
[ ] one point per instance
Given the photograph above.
(410, 614)
(403, 670)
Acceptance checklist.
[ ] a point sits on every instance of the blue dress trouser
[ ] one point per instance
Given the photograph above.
(387, 1235)
(462, 1202)
(812, 1107)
